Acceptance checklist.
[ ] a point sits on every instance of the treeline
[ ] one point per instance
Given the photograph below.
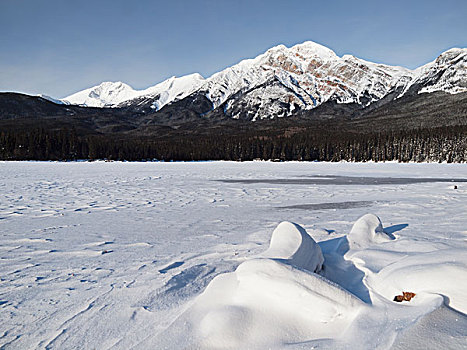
(40, 144)
(435, 145)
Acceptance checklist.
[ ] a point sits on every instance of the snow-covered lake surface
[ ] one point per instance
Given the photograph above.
(125, 255)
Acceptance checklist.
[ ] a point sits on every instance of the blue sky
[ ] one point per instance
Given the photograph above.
(58, 47)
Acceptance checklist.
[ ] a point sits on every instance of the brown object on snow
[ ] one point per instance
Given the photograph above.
(406, 296)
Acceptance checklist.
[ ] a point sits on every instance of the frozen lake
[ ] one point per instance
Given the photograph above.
(113, 255)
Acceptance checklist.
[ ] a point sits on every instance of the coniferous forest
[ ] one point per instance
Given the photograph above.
(418, 128)
(443, 144)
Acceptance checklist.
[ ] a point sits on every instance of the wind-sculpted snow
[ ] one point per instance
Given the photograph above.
(109, 255)
(273, 300)
(295, 246)
(265, 303)
(366, 231)
(437, 274)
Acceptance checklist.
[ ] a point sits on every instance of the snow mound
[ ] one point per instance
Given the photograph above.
(366, 231)
(291, 242)
(267, 302)
(429, 275)
(274, 300)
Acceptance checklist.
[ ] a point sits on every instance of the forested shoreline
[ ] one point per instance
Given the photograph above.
(443, 144)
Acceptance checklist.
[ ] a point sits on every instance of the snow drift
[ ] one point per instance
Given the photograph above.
(279, 300)
(276, 299)
(440, 274)
(292, 243)
(366, 231)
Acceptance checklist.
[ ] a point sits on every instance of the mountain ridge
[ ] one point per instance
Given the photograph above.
(299, 103)
(294, 78)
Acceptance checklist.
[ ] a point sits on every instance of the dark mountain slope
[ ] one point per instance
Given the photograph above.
(24, 112)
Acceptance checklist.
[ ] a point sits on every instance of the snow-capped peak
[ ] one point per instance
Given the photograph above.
(284, 79)
(169, 90)
(113, 94)
(105, 94)
(175, 85)
(310, 48)
(307, 48)
(303, 76)
(448, 73)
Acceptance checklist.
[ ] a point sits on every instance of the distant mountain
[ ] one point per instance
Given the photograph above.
(302, 103)
(113, 94)
(284, 82)
(353, 110)
(106, 94)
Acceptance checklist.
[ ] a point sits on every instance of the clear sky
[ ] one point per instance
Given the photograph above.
(58, 47)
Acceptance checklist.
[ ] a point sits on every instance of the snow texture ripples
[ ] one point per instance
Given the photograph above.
(159, 255)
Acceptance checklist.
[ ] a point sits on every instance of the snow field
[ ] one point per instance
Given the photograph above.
(163, 255)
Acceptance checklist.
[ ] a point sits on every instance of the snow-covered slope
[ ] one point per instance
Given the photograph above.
(283, 80)
(304, 76)
(166, 92)
(54, 100)
(113, 94)
(447, 73)
(103, 95)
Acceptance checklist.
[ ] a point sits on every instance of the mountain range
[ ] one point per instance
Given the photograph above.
(302, 90)
(285, 81)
